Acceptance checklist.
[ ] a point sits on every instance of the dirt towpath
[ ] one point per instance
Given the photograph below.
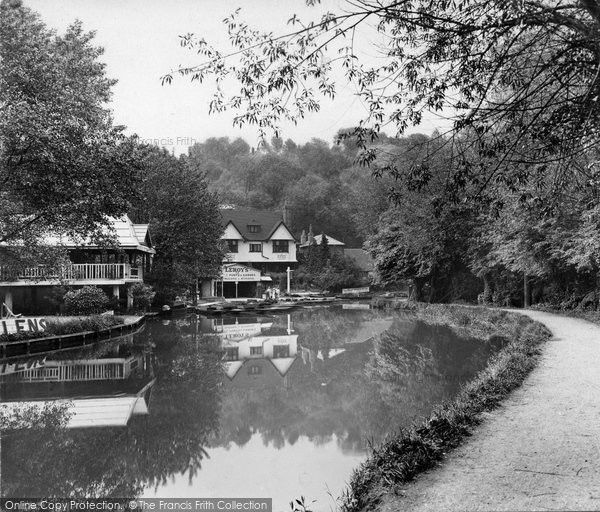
(540, 450)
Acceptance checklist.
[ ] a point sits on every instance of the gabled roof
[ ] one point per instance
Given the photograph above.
(241, 218)
(128, 234)
(361, 258)
(319, 240)
(142, 234)
(91, 412)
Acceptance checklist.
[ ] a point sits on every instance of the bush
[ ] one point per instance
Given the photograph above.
(57, 327)
(21, 336)
(143, 295)
(75, 325)
(88, 300)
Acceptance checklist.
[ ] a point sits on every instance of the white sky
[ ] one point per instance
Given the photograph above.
(141, 43)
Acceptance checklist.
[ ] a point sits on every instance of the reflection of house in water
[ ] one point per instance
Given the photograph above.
(311, 355)
(279, 351)
(251, 349)
(99, 392)
(228, 328)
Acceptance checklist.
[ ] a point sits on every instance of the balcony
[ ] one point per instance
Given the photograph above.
(77, 273)
(81, 370)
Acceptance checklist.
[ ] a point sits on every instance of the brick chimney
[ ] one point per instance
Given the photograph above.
(311, 236)
(303, 238)
(287, 215)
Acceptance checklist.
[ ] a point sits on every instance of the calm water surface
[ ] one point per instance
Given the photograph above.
(271, 406)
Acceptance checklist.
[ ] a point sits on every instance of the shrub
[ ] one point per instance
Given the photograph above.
(57, 327)
(88, 300)
(21, 336)
(143, 295)
(91, 323)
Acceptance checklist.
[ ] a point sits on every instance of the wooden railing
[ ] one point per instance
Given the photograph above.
(69, 371)
(81, 272)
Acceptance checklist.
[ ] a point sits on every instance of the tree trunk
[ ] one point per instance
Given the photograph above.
(597, 291)
(526, 292)
(417, 290)
(487, 290)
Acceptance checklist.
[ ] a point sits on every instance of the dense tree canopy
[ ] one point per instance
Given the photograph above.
(508, 195)
(518, 78)
(64, 167)
(309, 177)
(184, 221)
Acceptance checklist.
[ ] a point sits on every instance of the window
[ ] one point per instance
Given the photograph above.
(255, 370)
(281, 351)
(255, 247)
(253, 228)
(231, 354)
(281, 246)
(256, 351)
(232, 246)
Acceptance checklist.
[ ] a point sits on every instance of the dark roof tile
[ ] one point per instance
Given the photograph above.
(268, 220)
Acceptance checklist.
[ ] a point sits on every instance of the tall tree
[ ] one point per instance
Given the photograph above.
(185, 223)
(519, 78)
(64, 167)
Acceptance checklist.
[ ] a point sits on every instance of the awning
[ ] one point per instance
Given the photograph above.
(266, 278)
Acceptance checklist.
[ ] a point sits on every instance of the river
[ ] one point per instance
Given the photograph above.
(277, 406)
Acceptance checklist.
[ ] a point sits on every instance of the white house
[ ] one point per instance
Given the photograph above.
(259, 242)
(280, 351)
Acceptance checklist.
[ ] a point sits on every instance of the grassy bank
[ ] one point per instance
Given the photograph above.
(56, 326)
(411, 451)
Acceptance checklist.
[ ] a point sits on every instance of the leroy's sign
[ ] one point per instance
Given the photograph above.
(27, 324)
(32, 364)
(233, 272)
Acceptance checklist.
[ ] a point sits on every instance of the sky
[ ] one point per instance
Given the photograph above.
(141, 43)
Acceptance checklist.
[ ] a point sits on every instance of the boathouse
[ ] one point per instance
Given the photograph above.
(114, 269)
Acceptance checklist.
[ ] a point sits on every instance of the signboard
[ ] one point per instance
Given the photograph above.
(241, 330)
(356, 306)
(240, 273)
(25, 324)
(355, 291)
(32, 364)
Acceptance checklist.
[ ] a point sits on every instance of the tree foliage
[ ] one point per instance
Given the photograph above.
(309, 177)
(64, 167)
(518, 79)
(184, 221)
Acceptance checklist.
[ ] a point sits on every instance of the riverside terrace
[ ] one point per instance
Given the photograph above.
(112, 269)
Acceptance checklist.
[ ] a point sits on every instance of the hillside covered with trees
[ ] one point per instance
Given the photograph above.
(484, 245)
(504, 205)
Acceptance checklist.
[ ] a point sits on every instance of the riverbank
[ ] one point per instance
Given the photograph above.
(69, 334)
(540, 450)
(415, 450)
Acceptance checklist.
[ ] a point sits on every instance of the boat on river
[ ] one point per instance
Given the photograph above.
(256, 306)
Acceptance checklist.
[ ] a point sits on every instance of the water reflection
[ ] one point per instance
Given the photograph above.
(273, 406)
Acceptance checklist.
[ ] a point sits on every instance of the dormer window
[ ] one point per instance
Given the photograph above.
(253, 228)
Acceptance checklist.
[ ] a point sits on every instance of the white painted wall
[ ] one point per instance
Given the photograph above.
(267, 343)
